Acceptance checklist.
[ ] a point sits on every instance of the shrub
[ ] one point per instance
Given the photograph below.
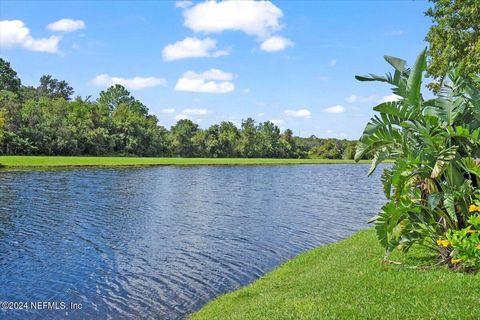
(435, 145)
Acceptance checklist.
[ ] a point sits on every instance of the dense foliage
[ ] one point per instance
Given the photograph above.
(434, 183)
(45, 120)
(454, 36)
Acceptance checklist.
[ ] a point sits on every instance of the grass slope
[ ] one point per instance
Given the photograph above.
(45, 161)
(347, 280)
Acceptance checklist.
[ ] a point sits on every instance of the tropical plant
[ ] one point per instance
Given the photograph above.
(435, 144)
(465, 244)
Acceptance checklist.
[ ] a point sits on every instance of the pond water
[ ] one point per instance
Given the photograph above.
(158, 243)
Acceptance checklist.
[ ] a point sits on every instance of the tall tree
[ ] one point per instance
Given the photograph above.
(118, 94)
(287, 144)
(10, 110)
(454, 37)
(9, 80)
(268, 140)
(44, 120)
(228, 139)
(247, 138)
(54, 88)
(182, 134)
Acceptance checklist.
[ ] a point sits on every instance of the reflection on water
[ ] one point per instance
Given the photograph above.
(160, 242)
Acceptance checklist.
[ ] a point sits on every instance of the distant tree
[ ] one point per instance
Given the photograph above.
(118, 94)
(349, 152)
(45, 125)
(92, 137)
(248, 138)
(182, 138)
(328, 149)
(2, 125)
(288, 145)
(10, 114)
(45, 120)
(134, 132)
(156, 138)
(204, 142)
(268, 140)
(9, 80)
(29, 93)
(454, 37)
(228, 140)
(53, 88)
(114, 96)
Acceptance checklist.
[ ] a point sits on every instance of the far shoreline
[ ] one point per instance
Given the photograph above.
(32, 162)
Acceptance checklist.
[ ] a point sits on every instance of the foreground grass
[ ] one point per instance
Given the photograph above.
(347, 280)
(45, 161)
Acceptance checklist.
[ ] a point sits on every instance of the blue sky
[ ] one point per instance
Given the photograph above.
(289, 61)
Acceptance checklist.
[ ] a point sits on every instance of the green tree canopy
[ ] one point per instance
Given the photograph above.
(54, 88)
(454, 37)
(118, 94)
(182, 138)
(8, 77)
(45, 120)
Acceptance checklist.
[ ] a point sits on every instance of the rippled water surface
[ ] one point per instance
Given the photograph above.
(157, 243)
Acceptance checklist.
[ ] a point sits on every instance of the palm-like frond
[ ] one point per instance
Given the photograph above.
(433, 143)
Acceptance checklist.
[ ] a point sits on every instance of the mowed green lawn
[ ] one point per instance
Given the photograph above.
(347, 280)
(46, 161)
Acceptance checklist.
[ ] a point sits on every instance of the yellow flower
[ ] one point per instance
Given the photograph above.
(473, 208)
(471, 231)
(455, 261)
(478, 246)
(443, 243)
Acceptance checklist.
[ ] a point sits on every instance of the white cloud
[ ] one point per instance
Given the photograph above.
(335, 109)
(354, 98)
(275, 43)
(197, 112)
(302, 113)
(213, 74)
(246, 91)
(66, 25)
(277, 122)
(14, 33)
(210, 81)
(390, 98)
(135, 83)
(333, 62)
(192, 48)
(183, 4)
(261, 114)
(188, 113)
(167, 110)
(256, 18)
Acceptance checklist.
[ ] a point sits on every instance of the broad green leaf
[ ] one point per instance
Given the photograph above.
(371, 77)
(414, 81)
(397, 63)
(443, 160)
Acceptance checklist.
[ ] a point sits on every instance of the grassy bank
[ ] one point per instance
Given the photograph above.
(45, 161)
(347, 280)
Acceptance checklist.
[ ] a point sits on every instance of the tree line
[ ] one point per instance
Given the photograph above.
(47, 120)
